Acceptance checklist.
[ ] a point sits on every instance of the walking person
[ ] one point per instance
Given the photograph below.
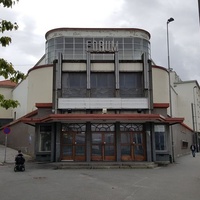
(193, 149)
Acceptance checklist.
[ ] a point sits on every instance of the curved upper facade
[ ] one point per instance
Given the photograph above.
(74, 43)
(160, 78)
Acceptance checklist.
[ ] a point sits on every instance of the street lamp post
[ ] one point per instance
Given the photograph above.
(170, 95)
(199, 9)
(168, 21)
(195, 120)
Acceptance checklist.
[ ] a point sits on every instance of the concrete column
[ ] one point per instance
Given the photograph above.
(118, 141)
(88, 141)
(58, 130)
(55, 142)
(153, 144)
(148, 131)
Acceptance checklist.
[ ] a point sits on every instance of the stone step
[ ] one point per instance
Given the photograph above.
(104, 165)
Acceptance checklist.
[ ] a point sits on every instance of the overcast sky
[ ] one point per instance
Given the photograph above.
(36, 17)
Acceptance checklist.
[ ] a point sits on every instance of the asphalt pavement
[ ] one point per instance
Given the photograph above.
(177, 181)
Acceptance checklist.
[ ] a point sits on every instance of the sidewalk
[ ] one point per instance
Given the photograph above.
(177, 181)
(8, 155)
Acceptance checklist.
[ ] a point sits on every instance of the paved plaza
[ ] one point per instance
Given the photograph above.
(178, 181)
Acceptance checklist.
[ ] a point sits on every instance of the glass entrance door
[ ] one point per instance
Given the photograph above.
(73, 145)
(133, 145)
(103, 146)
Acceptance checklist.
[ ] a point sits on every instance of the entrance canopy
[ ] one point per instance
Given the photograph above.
(124, 118)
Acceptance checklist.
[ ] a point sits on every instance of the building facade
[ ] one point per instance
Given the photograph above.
(6, 88)
(102, 100)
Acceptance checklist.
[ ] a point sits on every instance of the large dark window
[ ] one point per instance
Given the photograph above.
(130, 84)
(160, 138)
(74, 84)
(102, 84)
(45, 139)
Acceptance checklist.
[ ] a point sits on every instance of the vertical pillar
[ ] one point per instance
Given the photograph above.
(153, 144)
(36, 145)
(88, 141)
(53, 142)
(145, 71)
(88, 71)
(116, 55)
(58, 130)
(149, 149)
(57, 82)
(118, 141)
(147, 77)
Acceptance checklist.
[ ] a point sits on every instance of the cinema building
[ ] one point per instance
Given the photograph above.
(96, 95)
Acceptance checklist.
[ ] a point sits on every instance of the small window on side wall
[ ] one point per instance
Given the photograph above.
(184, 144)
(45, 139)
(160, 137)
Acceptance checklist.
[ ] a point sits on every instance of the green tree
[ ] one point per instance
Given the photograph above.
(6, 69)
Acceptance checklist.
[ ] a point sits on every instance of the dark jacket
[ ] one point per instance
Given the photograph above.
(192, 147)
(19, 159)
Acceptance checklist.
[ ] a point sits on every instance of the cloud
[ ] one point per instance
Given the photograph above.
(184, 32)
(36, 17)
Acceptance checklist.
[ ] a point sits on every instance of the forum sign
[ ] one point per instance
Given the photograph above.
(101, 46)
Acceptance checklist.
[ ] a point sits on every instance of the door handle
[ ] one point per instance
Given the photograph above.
(104, 142)
(74, 142)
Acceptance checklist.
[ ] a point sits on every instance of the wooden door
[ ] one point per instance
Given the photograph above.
(133, 146)
(73, 146)
(103, 146)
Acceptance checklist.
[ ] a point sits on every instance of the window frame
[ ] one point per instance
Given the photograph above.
(158, 129)
(131, 82)
(42, 132)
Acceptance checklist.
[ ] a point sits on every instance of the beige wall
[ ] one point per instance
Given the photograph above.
(74, 67)
(20, 93)
(186, 96)
(181, 134)
(36, 88)
(102, 67)
(39, 87)
(7, 92)
(182, 94)
(160, 85)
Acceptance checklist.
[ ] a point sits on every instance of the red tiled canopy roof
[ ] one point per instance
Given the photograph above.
(7, 83)
(126, 118)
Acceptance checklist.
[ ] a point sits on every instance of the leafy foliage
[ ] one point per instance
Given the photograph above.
(8, 3)
(6, 26)
(8, 103)
(6, 69)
